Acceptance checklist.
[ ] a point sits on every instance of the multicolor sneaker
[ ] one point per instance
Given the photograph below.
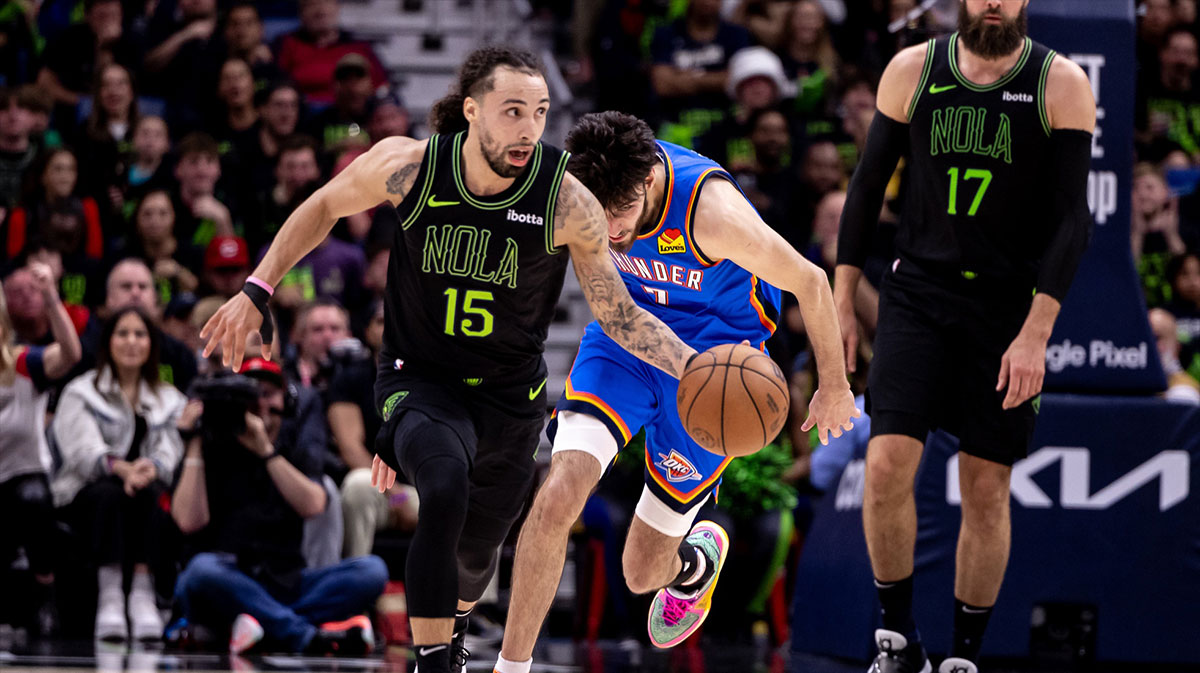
(673, 619)
(246, 633)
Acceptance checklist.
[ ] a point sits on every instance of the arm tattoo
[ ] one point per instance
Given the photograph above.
(634, 328)
(400, 182)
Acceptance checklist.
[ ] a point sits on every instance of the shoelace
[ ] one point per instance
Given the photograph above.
(460, 655)
(674, 609)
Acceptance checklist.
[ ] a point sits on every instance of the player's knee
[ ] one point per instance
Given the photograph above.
(889, 476)
(562, 497)
(443, 487)
(985, 491)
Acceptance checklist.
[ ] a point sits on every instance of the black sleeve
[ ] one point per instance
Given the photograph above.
(887, 141)
(1072, 151)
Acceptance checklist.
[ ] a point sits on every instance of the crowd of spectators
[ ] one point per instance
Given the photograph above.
(149, 152)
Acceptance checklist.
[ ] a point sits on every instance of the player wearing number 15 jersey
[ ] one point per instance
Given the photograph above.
(488, 217)
(996, 130)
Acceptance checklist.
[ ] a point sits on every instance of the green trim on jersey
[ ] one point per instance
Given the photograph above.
(1016, 69)
(552, 203)
(1041, 94)
(929, 54)
(430, 161)
(530, 173)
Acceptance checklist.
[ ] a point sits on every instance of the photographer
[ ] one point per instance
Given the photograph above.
(246, 492)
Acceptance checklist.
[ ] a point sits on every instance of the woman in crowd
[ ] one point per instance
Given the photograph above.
(154, 241)
(25, 372)
(115, 430)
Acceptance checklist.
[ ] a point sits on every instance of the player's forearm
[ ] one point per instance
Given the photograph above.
(821, 324)
(304, 229)
(1039, 323)
(646, 337)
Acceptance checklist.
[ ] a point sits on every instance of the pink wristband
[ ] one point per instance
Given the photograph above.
(261, 283)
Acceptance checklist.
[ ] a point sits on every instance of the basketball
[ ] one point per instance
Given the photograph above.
(733, 399)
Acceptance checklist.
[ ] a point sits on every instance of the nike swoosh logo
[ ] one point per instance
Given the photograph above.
(434, 203)
(533, 392)
(426, 651)
(935, 89)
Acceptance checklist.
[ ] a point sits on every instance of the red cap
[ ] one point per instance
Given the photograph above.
(260, 368)
(226, 251)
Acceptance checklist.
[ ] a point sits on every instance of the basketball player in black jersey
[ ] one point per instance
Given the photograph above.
(488, 217)
(997, 131)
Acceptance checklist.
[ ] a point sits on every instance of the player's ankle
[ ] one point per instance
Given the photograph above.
(505, 666)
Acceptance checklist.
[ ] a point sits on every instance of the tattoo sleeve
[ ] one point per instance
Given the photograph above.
(631, 326)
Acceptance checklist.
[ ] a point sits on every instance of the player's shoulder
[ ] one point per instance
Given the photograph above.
(1069, 100)
(400, 148)
(900, 80)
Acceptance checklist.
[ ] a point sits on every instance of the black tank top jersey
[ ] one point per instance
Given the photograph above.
(473, 281)
(980, 182)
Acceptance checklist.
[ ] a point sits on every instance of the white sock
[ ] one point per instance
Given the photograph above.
(701, 565)
(110, 580)
(505, 666)
(142, 585)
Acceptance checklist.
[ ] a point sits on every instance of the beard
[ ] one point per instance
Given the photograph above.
(497, 157)
(992, 42)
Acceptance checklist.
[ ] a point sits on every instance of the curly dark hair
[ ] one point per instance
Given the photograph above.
(475, 78)
(611, 154)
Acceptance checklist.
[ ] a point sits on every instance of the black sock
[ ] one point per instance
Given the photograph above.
(690, 556)
(462, 619)
(433, 658)
(969, 624)
(895, 605)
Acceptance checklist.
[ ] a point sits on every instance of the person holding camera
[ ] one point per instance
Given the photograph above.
(245, 490)
(115, 431)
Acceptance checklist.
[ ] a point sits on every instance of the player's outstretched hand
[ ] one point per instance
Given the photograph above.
(382, 476)
(230, 326)
(831, 413)
(1022, 369)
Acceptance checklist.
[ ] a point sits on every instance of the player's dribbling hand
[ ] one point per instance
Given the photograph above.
(230, 326)
(1022, 369)
(382, 476)
(831, 413)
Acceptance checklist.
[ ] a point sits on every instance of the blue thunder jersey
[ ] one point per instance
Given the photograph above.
(705, 302)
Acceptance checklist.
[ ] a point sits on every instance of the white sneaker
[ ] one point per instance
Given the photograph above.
(146, 621)
(110, 617)
(957, 665)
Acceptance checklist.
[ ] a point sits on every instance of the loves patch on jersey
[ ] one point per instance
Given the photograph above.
(677, 467)
(670, 242)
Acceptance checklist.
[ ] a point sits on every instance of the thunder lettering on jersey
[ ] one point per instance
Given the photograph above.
(705, 302)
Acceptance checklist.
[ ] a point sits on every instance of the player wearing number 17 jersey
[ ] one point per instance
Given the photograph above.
(692, 251)
(996, 130)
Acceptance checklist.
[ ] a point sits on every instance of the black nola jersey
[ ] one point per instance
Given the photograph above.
(980, 181)
(473, 281)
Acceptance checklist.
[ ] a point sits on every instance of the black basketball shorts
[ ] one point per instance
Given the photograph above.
(936, 362)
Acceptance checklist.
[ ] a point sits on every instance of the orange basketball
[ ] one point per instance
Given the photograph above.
(733, 400)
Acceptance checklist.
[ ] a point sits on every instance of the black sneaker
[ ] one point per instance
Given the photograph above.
(897, 655)
(459, 654)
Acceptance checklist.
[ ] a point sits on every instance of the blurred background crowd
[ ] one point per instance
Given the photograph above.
(150, 150)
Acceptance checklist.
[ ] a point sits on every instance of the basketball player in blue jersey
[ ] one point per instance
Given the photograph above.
(693, 252)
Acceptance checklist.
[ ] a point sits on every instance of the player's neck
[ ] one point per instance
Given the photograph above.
(984, 71)
(480, 178)
(654, 198)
